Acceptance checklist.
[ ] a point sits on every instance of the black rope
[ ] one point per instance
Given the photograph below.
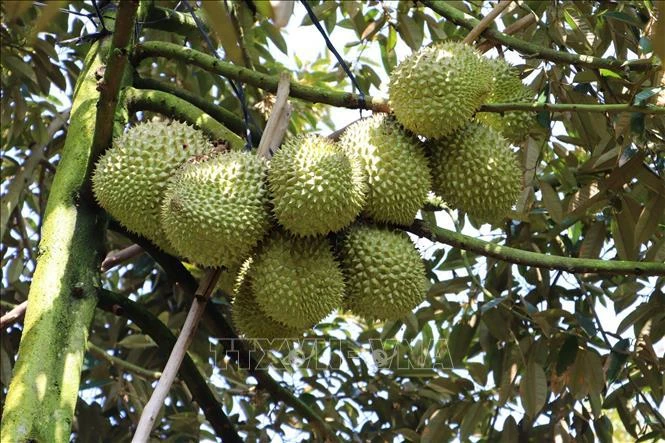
(340, 60)
(237, 89)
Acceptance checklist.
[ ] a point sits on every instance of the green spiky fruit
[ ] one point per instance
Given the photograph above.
(385, 276)
(316, 188)
(215, 208)
(437, 89)
(130, 178)
(395, 167)
(474, 170)
(248, 317)
(508, 88)
(296, 281)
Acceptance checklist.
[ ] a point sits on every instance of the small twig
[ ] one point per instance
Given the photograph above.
(279, 119)
(14, 315)
(114, 258)
(485, 22)
(154, 405)
(123, 364)
(513, 28)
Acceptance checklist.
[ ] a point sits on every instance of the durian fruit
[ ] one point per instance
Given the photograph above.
(475, 170)
(215, 208)
(508, 88)
(130, 178)
(395, 166)
(248, 317)
(385, 275)
(437, 89)
(296, 281)
(316, 188)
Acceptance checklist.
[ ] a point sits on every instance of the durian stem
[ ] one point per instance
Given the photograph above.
(189, 372)
(571, 107)
(227, 118)
(172, 106)
(528, 258)
(266, 82)
(531, 50)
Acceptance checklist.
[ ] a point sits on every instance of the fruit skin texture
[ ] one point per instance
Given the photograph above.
(248, 317)
(475, 171)
(508, 88)
(215, 208)
(316, 188)
(437, 89)
(296, 281)
(395, 166)
(385, 275)
(130, 178)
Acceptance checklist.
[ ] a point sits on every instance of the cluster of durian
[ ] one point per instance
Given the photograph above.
(309, 231)
(436, 93)
(316, 228)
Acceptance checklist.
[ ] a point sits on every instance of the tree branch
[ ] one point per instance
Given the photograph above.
(114, 75)
(154, 405)
(168, 20)
(227, 118)
(16, 313)
(263, 81)
(346, 99)
(513, 28)
(61, 301)
(113, 259)
(123, 364)
(485, 22)
(528, 258)
(530, 50)
(170, 105)
(189, 372)
(571, 107)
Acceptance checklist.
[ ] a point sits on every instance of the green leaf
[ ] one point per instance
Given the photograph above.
(410, 31)
(567, 354)
(644, 95)
(533, 389)
(276, 37)
(136, 341)
(604, 429)
(551, 202)
(473, 415)
(459, 341)
(617, 359)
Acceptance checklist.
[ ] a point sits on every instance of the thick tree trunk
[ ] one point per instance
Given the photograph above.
(63, 295)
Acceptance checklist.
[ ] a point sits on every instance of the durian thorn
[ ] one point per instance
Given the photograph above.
(279, 118)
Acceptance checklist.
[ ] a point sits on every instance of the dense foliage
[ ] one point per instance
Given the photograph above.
(499, 351)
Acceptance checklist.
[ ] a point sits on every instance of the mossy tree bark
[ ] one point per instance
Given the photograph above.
(62, 298)
(43, 392)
